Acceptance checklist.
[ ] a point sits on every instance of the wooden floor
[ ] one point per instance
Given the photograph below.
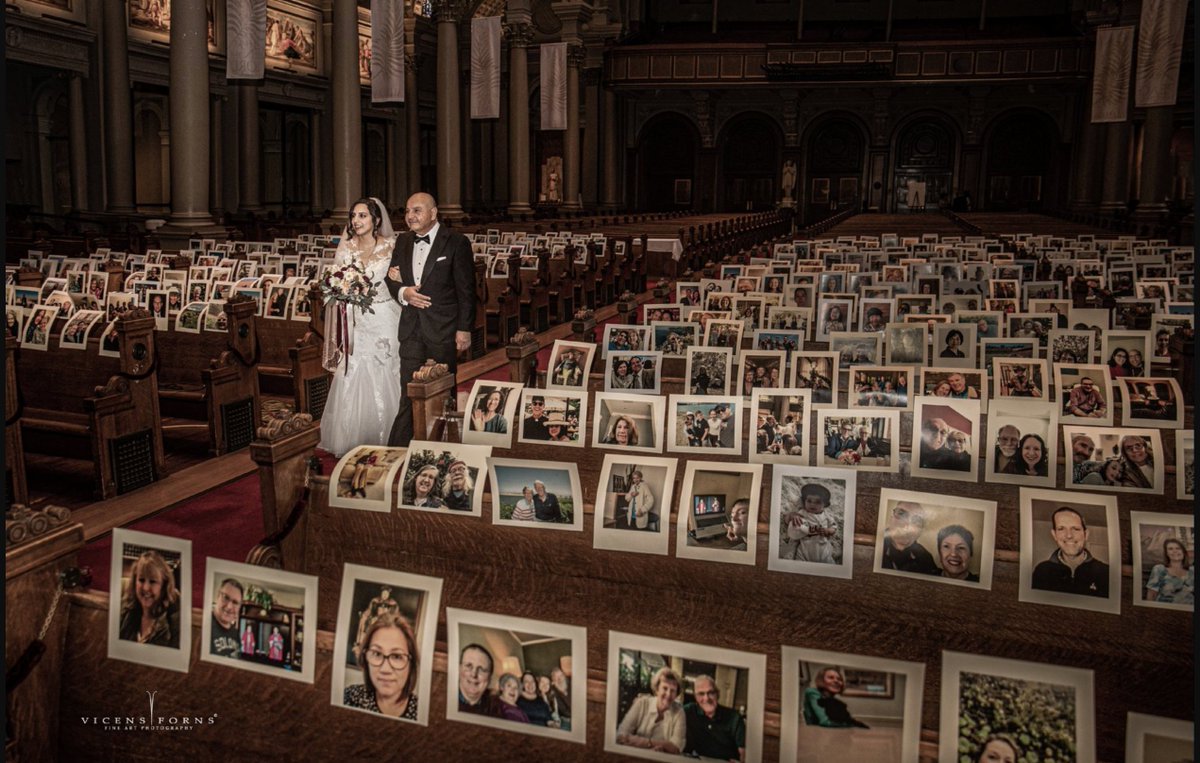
(913, 224)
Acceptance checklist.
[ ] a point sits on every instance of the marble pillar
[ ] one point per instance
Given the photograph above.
(591, 137)
(216, 159)
(1157, 165)
(449, 142)
(118, 111)
(571, 203)
(520, 37)
(1089, 164)
(188, 101)
(249, 147)
(347, 110)
(1115, 192)
(78, 141)
(612, 196)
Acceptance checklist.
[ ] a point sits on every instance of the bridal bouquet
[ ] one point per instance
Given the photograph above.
(349, 285)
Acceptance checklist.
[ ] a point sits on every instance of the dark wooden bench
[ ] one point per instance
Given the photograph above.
(290, 358)
(503, 307)
(534, 297)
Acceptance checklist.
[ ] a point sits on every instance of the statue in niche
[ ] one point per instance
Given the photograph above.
(552, 180)
(789, 179)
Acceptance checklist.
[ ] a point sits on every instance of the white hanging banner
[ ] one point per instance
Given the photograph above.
(485, 68)
(1159, 45)
(1110, 75)
(554, 86)
(387, 51)
(246, 35)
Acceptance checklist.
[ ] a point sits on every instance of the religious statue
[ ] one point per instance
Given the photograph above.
(552, 180)
(789, 179)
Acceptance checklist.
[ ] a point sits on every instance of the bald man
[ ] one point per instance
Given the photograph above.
(432, 275)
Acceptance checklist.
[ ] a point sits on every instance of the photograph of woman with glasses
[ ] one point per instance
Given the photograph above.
(388, 657)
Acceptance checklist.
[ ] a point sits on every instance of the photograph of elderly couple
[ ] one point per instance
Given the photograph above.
(535, 494)
(668, 699)
(516, 674)
(559, 418)
(440, 476)
(945, 438)
(811, 510)
(384, 643)
(845, 708)
(960, 531)
(150, 578)
(863, 442)
(1164, 546)
(1120, 460)
(1070, 550)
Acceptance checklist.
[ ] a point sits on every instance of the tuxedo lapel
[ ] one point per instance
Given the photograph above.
(406, 259)
(435, 251)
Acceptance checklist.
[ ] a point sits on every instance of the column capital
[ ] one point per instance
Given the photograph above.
(414, 61)
(519, 34)
(575, 56)
(448, 11)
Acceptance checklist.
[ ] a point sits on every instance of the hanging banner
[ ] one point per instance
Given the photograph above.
(1110, 75)
(554, 86)
(387, 51)
(485, 68)
(1159, 45)
(246, 33)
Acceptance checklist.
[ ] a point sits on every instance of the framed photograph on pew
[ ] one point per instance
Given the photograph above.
(383, 648)
(278, 300)
(880, 387)
(906, 344)
(817, 372)
(215, 318)
(1025, 378)
(628, 422)
(443, 476)
(955, 345)
(660, 312)
(780, 426)
(720, 332)
(633, 504)
(991, 349)
(857, 348)
(1151, 402)
(1022, 443)
(549, 417)
(1122, 460)
(1070, 550)
(934, 537)
(110, 341)
(812, 521)
(570, 364)
(363, 478)
(858, 440)
(491, 408)
(718, 512)
(1164, 546)
(542, 494)
(839, 706)
(14, 320)
(262, 620)
(497, 661)
(150, 595)
(687, 293)
(301, 309)
(833, 315)
(1127, 353)
(76, 329)
(673, 338)
(1014, 699)
(624, 337)
(190, 317)
(1070, 346)
(1150, 739)
(704, 424)
(722, 684)
(36, 331)
(636, 372)
(946, 439)
(954, 383)
(708, 370)
(1185, 464)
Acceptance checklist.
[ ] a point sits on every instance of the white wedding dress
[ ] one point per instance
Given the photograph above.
(365, 391)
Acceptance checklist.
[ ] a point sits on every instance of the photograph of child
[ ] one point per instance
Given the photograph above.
(812, 521)
(1114, 459)
(702, 424)
(570, 363)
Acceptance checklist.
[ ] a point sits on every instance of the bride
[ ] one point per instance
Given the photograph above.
(365, 393)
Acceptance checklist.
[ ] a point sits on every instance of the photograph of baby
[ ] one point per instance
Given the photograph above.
(363, 478)
(880, 387)
(945, 437)
(1114, 459)
(627, 421)
(516, 674)
(995, 709)
(701, 424)
(260, 619)
(671, 700)
(851, 439)
(543, 494)
(812, 521)
(1164, 546)
(491, 407)
(708, 370)
(1084, 394)
(441, 476)
(1070, 550)
(633, 503)
(553, 417)
(636, 372)
(780, 433)
(150, 578)
(960, 530)
(718, 512)
(846, 708)
(818, 373)
(383, 648)
(1151, 739)
(570, 363)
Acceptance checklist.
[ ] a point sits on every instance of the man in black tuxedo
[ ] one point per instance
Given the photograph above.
(432, 274)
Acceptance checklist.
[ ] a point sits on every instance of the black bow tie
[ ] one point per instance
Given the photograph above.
(424, 238)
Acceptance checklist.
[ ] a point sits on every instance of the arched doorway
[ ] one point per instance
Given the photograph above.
(1021, 160)
(924, 155)
(667, 160)
(750, 161)
(151, 154)
(833, 168)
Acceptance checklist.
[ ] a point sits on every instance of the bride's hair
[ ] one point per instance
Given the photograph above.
(372, 209)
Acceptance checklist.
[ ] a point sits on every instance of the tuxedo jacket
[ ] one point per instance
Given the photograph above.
(448, 280)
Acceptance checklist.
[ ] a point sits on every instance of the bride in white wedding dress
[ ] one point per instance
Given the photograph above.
(365, 392)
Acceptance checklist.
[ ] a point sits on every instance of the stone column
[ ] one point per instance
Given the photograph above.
(1157, 169)
(449, 143)
(1089, 163)
(396, 172)
(612, 196)
(78, 140)
(1116, 168)
(591, 136)
(216, 173)
(315, 198)
(188, 108)
(470, 193)
(412, 117)
(575, 54)
(249, 147)
(520, 37)
(347, 109)
(118, 111)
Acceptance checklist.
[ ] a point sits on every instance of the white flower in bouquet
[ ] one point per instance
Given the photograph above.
(350, 284)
